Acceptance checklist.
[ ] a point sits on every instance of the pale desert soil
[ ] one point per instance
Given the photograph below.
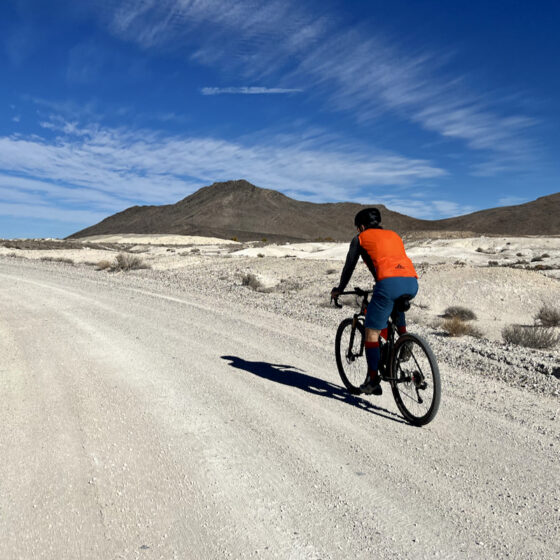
(295, 280)
(176, 412)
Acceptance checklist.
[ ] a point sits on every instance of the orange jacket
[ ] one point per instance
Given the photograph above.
(386, 251)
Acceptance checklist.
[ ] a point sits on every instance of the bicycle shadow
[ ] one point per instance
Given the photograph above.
(294, 377)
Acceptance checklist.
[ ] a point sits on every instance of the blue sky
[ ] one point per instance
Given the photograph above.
(432, 108)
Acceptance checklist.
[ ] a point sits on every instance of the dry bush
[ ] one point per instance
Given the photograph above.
(289, 285)
(126, 261)
(332, 271)
(457, 327)
(57, 259)
(252, 282)
(462, 313)
(261, 255)
(530, 336)
(548, 316)
(493, 263)
(104, 265)
(536, 259)
(542, 267)
(195, 250)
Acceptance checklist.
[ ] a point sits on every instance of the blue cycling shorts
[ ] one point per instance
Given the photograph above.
(385, 293)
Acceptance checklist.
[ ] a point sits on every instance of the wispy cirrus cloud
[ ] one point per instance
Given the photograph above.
(247, 90)
(351, 68)
(103, 170)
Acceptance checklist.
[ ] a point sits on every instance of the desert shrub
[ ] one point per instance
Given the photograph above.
(104, 265)
(542, 267)
(234, 238)
(126, 261)
(195, 250)
(264, 239)
(548, 316)
(536, 259)
(493, 263)
(261, 255)
(457, 327)
(545, 256)
(57, 259)
(479, 250)
(289, 285)
(462, 313)
(518, 254)
(530, 336)
(123, 261)
(252, 281)
(331, 271)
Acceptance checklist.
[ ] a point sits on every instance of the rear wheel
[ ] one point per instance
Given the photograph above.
(415, 380)
(350, 355)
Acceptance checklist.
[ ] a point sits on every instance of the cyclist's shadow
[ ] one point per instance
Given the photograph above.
(290, 375)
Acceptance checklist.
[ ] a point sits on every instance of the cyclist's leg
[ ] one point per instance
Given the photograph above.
(378, 312)
(401, 286)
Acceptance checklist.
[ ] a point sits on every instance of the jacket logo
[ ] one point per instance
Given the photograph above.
(399, 266)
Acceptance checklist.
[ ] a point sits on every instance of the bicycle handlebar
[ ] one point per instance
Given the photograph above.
(357, 292)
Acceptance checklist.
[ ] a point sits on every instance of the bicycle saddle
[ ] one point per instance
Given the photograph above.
(403, 303)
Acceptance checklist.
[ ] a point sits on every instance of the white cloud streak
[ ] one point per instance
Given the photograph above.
(247, 90)
(356, 69)
(105, 170)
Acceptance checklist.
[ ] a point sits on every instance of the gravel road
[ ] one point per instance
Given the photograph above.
(138, 422)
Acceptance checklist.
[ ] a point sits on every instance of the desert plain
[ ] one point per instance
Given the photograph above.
(192, 408)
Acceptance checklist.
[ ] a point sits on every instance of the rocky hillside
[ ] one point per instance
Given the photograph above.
(242, 210)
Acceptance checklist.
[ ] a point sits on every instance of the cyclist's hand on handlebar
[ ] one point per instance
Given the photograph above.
(335, 292)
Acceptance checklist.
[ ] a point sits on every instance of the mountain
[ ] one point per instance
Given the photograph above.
(242, 210)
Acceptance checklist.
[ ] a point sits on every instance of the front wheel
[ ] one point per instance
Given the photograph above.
(415, 379)
(350, 355)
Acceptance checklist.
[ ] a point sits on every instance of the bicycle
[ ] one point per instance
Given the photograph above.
(407, 362)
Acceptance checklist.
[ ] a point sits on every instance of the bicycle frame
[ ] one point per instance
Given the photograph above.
(388, 348)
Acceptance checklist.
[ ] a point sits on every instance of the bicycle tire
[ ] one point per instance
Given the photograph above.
(351, 362)
(419, 368)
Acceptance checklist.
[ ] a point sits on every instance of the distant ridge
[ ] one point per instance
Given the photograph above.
(242, 210)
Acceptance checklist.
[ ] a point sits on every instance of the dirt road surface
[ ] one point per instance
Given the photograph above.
(138, 423)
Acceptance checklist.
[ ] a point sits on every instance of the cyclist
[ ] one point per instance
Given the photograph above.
(383, 252)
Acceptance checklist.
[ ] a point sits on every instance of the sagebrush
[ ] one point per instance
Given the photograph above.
(531, 336)
(548, 316)
(457, 327)
(124, 262)
(252, 281)
(462, 313)
(57, 259)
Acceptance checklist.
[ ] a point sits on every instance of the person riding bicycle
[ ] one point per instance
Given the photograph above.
(383, 252)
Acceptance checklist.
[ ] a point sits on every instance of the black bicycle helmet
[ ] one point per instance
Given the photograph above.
(368, 217)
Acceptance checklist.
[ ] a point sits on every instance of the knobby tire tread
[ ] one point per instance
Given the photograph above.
(340, 353)
(436, 380)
